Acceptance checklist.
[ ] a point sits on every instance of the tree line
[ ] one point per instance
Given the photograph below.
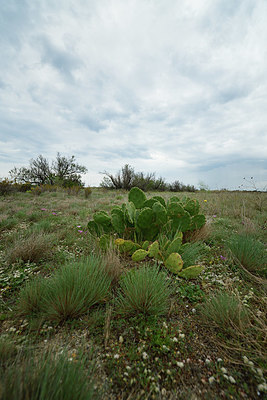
(66, 172)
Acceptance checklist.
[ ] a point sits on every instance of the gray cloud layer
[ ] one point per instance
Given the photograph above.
(178, 88)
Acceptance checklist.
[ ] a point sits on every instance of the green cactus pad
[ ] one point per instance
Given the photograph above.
(192, 206)
(174, 246)
(130, 211)
(191, 272)
(137, 196)
(160, 213)
(149, 203)
(93, 228)
(174, 263)
(197, 222)
(145, 245)
(160, 199)
(175, 210)
(182, 224)
(125, 246)
(145, 218)
(153, 250)
(117, 221)
(102, 218)
(139, 255)
(174, 199)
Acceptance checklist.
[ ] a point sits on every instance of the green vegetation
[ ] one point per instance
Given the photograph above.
(117, 291)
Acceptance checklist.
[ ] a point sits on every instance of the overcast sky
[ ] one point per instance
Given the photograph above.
(175, 87)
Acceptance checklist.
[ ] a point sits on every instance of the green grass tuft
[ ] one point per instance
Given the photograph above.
(145, 290)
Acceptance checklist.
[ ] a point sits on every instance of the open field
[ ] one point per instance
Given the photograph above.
(209, 342)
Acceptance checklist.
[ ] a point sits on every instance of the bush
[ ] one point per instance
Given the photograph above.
(145, 290)
(87, 192)
(6, 187)
(249, 252)
(48, 377)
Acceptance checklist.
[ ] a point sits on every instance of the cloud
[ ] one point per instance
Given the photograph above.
(178, 88)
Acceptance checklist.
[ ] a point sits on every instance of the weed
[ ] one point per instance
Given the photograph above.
(33, 248)
(225, 312)
(250, 253)
(75, 288)
(48, 377)
(145, 290)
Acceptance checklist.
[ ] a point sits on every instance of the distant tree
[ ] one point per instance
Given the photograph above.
(64, 171)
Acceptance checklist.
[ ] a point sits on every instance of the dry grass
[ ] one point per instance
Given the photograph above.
(33, 248)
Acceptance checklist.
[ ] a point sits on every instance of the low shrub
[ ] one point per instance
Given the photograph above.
(145, 290)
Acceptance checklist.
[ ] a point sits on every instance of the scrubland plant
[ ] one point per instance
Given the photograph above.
(33, 247)
(8, 350)
(145, 290)
(70, 292)
(87, 192)
(250, 253)
(48, 377)
(226, 312)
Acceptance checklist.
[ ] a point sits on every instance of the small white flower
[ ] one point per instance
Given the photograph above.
(207, 361)
(128, 367)
(126, 374)
(181, 335)
(175, 339)
(194, 310)
(224, 370)
(168, 372)
(231, 379)
(226, 376)
(145, 355)
(246, 360)
(165, 325)
(180, 364)
(251, 363)
(262, 387)
(165, 348)
(260, 373)
(219, 360)
(116, 356)
(211, 379)
(121, 339)
(163, 392)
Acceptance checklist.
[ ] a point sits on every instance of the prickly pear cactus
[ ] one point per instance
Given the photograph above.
(197, 222)
(117, 221)
(137, 196)
(191, 272)
(192, 206)
(160, 213)
(175, 210)
(173, 247)
(139, 255)
(174, 263)
(153, 250)
(145, 218)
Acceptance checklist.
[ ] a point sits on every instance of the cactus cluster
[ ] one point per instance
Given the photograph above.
(145, 219)
(167, 253)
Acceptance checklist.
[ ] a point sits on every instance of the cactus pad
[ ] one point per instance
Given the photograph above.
(137, 196)
(197, 222)
(160, 213)
(191, 272)
(145, 218)
(174, 263)
(153, 250)
(139, 255)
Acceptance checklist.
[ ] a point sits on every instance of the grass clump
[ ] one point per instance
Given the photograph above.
(33, 248)
(32, 296)
(75, 288)
(191, 252)
(7, 350)
(225, 312)
(250, 253)
(48, 377)
(145, 290)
